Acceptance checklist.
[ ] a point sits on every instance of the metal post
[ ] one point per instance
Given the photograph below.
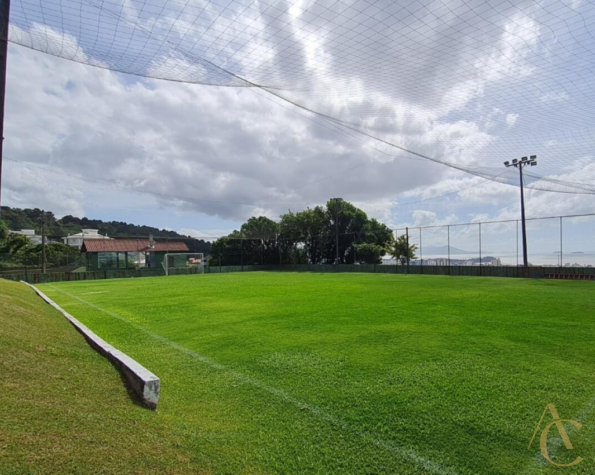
(480, 249)
(561, 247)
(354, 251)
(448, 230)
(407, 250)
(43, 241)
(524, 227)
(4, 21)
(421, 254)
(242, 253)
(396, 258)
(517, 242)
(336, 240)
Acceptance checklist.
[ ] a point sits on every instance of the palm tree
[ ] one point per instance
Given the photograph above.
(400, 251)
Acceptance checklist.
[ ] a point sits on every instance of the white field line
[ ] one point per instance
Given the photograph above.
(408, 453)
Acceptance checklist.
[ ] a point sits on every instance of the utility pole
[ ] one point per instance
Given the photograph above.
(520, 164)
(43, 241)
(4, 17)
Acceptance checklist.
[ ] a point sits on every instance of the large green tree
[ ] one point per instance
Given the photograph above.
(256, 243)
(336, 233)
(18, 251)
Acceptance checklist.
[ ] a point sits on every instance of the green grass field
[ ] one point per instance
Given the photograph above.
(63, 407)
(356, 373)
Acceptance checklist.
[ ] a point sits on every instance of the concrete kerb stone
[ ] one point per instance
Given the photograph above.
(144, 383)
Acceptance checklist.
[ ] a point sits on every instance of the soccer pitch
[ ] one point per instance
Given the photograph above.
(357, 373)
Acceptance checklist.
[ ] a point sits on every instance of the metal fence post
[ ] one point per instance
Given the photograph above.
(421, 252)
(480, 249)
(561, 245)
(396, 258)
(407, 250)
(448, 231)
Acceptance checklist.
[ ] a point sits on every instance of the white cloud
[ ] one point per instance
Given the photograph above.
(235, 153)
(511, 119)
(554, 96)
(430, 218)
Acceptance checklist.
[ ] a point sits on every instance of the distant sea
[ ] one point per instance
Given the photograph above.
(552, 259)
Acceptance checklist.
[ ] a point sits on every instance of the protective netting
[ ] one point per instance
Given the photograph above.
(468, 84)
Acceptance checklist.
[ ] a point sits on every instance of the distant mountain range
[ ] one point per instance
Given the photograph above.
(444, 250)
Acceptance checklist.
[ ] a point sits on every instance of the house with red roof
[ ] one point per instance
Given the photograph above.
(127, 253)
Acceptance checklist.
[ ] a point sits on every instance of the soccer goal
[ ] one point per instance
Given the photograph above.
(186, 260)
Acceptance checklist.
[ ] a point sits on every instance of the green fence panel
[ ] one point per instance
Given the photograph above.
(486, 271)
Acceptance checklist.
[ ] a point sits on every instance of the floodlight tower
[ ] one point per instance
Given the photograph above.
(520, 164)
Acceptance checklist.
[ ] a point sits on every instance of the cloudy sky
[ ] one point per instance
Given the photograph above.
(470, 84)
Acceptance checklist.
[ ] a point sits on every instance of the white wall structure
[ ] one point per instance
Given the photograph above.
(76, 240)
(29, 233)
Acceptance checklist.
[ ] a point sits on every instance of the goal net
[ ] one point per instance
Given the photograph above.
(192, 261)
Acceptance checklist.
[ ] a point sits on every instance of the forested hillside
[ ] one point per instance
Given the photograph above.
(17, 219)
(19, 251)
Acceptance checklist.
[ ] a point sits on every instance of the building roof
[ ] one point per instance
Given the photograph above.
(86, 234)
(131, 245)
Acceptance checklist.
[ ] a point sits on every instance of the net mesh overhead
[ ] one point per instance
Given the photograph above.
(468, 84)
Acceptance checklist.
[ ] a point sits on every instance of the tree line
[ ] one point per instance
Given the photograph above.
(18, 251)
(338, 233)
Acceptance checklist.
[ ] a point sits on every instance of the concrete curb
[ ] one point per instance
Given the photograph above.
(144, 383)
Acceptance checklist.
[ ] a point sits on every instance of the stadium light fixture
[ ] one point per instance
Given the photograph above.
(524, 161)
